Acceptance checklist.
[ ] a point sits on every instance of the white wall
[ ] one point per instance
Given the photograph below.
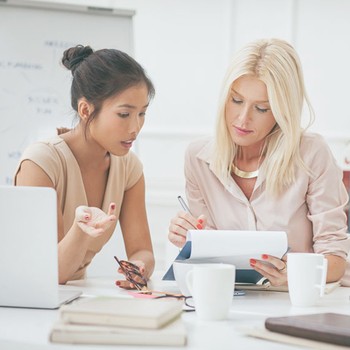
(185, 45)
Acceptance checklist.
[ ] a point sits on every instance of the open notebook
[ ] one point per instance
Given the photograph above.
(28, 249)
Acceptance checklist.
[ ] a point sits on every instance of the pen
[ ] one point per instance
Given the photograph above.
(186, 208)
(183, 204)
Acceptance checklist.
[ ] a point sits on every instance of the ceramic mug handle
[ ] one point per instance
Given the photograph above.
(189, 281)
(324, 268)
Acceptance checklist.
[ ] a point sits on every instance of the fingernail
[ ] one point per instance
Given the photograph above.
(199, 226)
(200, 221)
(112, 206)
(252, 261)
(265, 256)
(86, 217)
(117, 283)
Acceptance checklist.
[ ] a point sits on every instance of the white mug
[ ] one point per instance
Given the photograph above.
(307, 273)
(212, 287)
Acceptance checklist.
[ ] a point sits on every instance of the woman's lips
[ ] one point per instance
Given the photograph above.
(241, 131)
(127, 144)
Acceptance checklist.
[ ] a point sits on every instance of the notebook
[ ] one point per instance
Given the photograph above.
(325, 327)
(28, 249)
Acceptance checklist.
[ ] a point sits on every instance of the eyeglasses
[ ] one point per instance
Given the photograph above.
(132, 274)
(187, 302)
(155, 294)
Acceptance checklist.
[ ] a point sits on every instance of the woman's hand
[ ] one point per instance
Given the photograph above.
(180, 224)
(272, 268)
(93, 221)
(129, 285)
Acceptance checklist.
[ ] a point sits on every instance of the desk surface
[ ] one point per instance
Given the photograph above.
(29, 328)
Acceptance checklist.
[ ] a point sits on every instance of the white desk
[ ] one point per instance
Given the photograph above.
(29, 328)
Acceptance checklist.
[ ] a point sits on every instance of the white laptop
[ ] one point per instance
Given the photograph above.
(28, 249)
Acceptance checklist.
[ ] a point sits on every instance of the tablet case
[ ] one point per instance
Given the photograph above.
(331, 328)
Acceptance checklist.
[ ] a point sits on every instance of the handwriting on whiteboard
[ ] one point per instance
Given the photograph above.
(21, 65)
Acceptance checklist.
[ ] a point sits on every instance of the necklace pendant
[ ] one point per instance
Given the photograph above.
(245, 174)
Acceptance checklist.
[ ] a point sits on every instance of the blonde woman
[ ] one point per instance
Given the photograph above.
(262, 171)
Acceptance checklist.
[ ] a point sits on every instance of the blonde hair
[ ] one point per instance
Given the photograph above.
(276, 63)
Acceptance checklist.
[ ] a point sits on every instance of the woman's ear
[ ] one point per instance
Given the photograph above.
(85, 108)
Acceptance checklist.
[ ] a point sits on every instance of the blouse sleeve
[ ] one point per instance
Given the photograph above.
(45, 156)
(326, 199)
(194, 194)
(134, 170)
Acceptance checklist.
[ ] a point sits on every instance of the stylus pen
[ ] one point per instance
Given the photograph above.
(186, 208)
(183, 204)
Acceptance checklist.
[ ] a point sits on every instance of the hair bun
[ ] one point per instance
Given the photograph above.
(73, 56)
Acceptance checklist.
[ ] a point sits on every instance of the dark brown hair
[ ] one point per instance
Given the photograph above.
(98, 75)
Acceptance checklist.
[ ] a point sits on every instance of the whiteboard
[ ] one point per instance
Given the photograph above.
(34, 85)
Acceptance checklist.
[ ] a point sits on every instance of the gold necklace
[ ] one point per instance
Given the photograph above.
(244, 174)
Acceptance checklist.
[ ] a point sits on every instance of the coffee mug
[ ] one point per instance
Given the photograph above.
(212, 287)
(180, 268)
(307, 273)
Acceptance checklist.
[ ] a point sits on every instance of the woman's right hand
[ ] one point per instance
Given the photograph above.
(93, 221)
(180, 224)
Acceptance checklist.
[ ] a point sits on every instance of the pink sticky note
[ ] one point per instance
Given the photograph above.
(141, 295)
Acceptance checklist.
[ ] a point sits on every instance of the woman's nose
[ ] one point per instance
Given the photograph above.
(135, 125)
(244, 113)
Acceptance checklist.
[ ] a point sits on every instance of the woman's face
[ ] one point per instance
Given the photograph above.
(248, 114)
(120, 119)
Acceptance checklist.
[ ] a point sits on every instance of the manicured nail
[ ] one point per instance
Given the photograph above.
(117, 283)
(113, 206)
(199, 226)
(252, 262)
(265, 256)
(86, 217)
(200, 221)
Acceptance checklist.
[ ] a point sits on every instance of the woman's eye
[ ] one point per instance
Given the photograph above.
(236, 100)
(123, 115)
(142, 114)
(261, 110)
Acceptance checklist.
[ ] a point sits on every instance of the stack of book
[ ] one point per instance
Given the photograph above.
(107, 320)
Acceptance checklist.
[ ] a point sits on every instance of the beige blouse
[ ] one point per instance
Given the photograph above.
(56, 159)
(311, 210)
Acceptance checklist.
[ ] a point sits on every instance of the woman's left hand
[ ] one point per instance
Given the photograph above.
(272, 268)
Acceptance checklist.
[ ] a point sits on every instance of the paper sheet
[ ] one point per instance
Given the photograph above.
(236, 247)
(232, 247)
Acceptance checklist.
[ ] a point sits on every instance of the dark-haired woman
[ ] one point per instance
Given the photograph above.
(97, 179)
